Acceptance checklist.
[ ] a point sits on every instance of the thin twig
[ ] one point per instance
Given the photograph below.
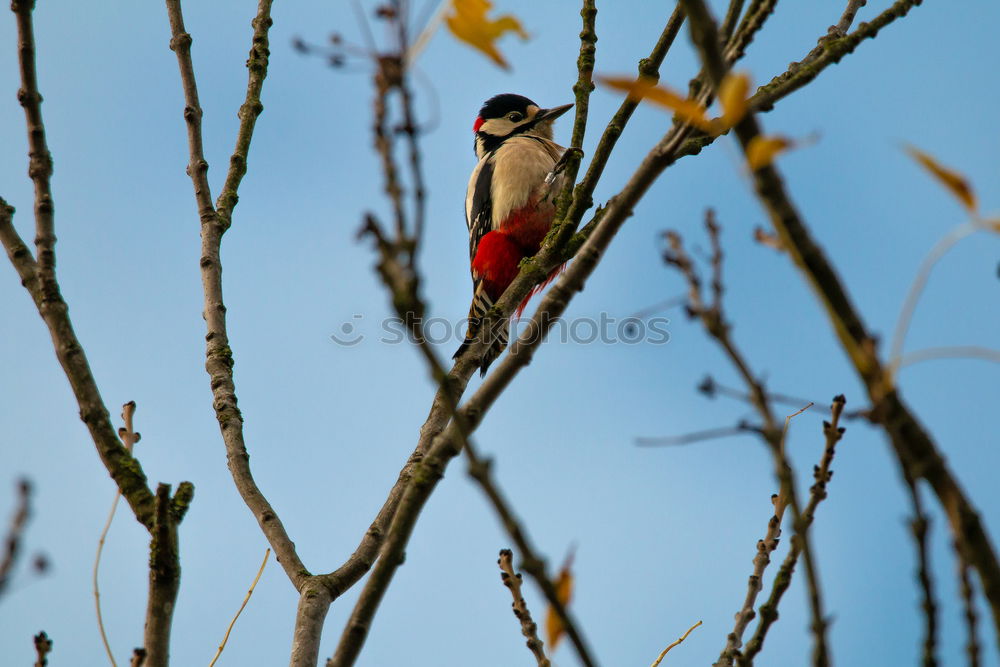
(40, 159)
(43, 646)
(753, 20)
(968, 608)
(710, 387)
(939, 250)
(919, 528)
(512, 580)
(950, 352)
(663, 654)
(831, 51)
(835, 31)
(129, 438)
(761, 560)
(832, 432)
(95, 584)
(585, 77)
(847, 18)
(697, 436)
(387, 77)
(246, 599)
(729, 21)
(15, 533)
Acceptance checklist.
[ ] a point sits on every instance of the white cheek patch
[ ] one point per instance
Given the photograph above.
(498, 127)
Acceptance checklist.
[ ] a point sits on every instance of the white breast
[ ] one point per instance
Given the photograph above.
(520, 166)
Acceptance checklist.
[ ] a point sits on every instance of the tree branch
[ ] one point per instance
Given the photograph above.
(713, 319)
(215, 220)
(164, 575)
(410, 307)
(40, 159)
(915, 450)
(437, 446)
(829, 51)
(584, 191)
(480, 469)
(38, 277)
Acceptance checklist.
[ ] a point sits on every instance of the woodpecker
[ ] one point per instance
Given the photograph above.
(510, 202)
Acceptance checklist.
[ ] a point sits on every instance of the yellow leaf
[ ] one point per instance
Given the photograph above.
(762, 150)
(733, 95)
(949, 178)
(470, 24)
(644, 88)
(554, 629)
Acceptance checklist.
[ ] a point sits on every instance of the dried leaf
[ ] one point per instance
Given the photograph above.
(956, 183)
(645, 88)
(470, 24)
(733, 95)
(554, 629)
(762, 150)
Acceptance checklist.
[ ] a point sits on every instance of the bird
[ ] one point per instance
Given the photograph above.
(509, 204)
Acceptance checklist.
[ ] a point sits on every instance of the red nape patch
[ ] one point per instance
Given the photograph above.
(478, 124)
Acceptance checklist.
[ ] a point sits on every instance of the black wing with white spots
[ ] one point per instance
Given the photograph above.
(479, 209)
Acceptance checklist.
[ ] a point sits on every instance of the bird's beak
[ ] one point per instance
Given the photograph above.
(553, 113)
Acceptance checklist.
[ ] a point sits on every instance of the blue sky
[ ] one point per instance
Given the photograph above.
(664, 537)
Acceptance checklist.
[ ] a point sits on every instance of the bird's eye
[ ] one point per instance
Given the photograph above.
(514, 117)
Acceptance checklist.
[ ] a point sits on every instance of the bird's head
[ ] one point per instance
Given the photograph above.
(508, 115)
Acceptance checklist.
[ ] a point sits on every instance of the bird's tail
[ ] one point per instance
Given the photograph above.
(481, 303)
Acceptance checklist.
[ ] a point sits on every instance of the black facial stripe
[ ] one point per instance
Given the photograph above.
(492, 142)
